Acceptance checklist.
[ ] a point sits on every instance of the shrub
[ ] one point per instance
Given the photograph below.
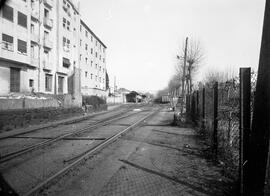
(93, 100)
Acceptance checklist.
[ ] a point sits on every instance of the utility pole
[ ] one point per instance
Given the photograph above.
(184, 75)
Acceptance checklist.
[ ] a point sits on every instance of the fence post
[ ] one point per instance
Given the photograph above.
(215, 118)
(244, 122)
(203, 108)
(197, 105)
(193, 105)
(187, 104)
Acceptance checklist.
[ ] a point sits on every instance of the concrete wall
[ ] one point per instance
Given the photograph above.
(24, 103)
(111, 100)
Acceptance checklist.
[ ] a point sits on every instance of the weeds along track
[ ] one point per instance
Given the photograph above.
(38, 169)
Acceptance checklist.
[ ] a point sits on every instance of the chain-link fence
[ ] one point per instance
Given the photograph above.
(201, 109)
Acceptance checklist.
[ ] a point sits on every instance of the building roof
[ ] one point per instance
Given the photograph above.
(85, 25)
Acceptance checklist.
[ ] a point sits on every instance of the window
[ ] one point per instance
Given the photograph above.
(103, 60)
(68, 25)
(99, 79)
(91, 76)
(85, 74)
(80, 28)
(96, 77)
(7, 42)
(22, 46)
(48, 82)
(80, 42)
(31, 83)
(96, 66)
(46, 35)
(14, 80)
(32, 28)
(8, 13)
(32, 51)
(99, 57)
(96, 54)
(86, 46)
(91, 63)
(86, 33)
(46, 55)
(66, 44)
(22, 19)
(99, 68)
(64, 22)
(96, 42)
(86, 60)
(66, 62)
(80, 57)
(46, 13)
(91, 50)
(60, 84)
(91, 38)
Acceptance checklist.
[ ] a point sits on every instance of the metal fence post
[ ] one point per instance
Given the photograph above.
(215, 118)
(244, 122)
(203, 108)
(197, 105)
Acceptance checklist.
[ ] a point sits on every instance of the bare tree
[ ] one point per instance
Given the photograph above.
(194, 57)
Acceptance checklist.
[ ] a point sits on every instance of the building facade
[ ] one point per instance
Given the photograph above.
(41, 49)
(92, 63)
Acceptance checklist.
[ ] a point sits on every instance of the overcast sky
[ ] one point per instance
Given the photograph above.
(143, 36)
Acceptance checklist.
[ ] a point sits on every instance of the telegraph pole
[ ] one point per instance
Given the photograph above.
(184, 75)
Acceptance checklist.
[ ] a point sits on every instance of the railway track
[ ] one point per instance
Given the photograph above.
(71, 162)
(103, 122)
(56, 124)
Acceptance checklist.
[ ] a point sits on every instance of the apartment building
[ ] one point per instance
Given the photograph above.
(92, 63)
(17, 71)
(46, 47)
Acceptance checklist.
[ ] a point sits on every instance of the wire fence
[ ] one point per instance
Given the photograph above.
(225, 139)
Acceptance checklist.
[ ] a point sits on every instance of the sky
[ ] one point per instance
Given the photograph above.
(143, 37)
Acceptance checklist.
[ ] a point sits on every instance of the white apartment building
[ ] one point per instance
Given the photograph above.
(45, 47)
(92, 63)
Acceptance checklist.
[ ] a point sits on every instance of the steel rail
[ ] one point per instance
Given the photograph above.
(87, 154)
(100, 123)
(56, 124)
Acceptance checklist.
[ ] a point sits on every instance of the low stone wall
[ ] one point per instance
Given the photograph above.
(12, 119)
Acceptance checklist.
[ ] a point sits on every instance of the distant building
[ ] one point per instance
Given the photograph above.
(43, 45)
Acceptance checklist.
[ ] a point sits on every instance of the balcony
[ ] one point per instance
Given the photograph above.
(7, 46)
(34, 62)
(34, 37)
(48, 3)
(47, 43)
(47, 65)
(48, 22)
